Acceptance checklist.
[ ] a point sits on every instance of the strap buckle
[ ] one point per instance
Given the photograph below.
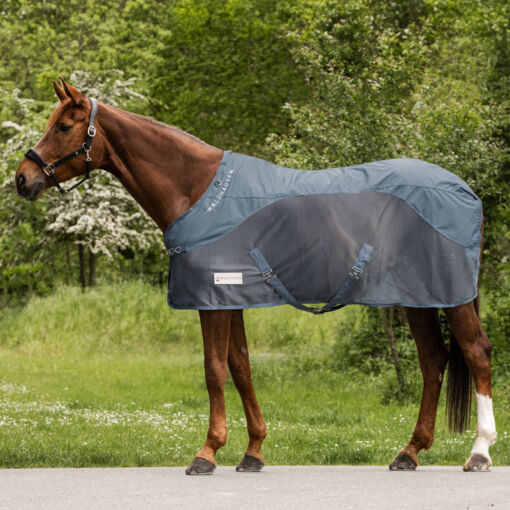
(49, 169)
(268, 274)
(91, 131)
(356, 272)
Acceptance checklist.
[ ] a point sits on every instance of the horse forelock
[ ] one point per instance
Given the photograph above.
(57, 113)
(60, 110)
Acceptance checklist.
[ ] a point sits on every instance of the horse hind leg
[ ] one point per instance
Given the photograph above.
(477, 349)
(433, 355)
(239, 365)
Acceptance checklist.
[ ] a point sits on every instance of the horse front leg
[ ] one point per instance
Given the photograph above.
(215, 333)
(426, 330)
(240, 369)
(477, 350)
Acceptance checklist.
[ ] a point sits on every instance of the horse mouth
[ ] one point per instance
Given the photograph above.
(36, 192)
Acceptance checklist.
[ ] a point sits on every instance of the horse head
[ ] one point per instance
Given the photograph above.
(65, 144)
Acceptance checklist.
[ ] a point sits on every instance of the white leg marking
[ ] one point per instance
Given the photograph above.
(486, 426)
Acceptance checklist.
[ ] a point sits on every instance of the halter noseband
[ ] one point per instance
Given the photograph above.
(49, 168)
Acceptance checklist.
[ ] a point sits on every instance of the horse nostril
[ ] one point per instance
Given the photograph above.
(21, 180)
(21, 187)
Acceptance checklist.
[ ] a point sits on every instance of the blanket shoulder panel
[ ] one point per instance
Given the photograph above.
(244, 185)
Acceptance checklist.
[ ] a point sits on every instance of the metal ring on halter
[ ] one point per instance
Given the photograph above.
(87, 153)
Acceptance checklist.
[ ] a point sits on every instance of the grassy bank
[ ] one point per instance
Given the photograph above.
(113, 377)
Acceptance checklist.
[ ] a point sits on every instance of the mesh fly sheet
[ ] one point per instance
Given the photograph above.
(396, 232)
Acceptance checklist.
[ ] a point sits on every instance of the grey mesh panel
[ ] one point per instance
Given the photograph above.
(311, 242)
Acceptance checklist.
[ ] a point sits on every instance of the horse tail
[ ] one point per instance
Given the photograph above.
(459, 385)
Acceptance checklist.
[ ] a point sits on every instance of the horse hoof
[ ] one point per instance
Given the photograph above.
(477, 462)
(403, 462)
(250, 464)
(200, 466)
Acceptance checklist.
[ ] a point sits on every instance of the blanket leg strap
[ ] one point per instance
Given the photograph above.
(335, 302)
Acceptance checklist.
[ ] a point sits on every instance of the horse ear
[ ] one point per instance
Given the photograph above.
(61, 93)
(75, 95)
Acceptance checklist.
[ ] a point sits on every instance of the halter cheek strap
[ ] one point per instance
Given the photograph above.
(49, 168)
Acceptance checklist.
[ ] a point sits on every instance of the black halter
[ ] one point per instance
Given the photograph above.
(49, 168)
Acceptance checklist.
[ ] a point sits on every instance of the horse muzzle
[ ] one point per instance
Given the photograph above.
(30, 189)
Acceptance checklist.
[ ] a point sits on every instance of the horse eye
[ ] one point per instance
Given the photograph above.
(65, 128)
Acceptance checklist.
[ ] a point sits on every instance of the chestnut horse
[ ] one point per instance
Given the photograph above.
(167, 170)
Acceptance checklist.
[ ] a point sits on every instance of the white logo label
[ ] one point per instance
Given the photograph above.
(228, 278)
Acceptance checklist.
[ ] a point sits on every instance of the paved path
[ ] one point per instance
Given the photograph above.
(276, 487)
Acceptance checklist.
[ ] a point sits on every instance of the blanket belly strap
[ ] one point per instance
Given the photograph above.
(335, 302)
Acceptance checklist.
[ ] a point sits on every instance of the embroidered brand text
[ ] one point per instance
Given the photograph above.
(221, 191)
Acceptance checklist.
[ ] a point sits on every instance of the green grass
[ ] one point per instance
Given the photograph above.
(115, 378)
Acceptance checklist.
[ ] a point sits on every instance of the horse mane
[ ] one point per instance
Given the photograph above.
(157, 123)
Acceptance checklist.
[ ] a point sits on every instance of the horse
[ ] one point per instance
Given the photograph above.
(167, 171)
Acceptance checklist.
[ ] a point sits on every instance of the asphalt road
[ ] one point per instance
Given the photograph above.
(278, 487)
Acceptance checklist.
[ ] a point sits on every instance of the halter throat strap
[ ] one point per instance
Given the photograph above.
(49, 168)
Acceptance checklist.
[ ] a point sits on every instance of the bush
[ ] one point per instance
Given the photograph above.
(362, 346)
(496, 323)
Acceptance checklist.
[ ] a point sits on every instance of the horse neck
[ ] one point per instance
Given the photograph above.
(166, 170)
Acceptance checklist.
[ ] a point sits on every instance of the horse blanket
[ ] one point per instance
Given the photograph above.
(396, 232)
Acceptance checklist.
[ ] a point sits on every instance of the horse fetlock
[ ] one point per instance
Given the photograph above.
(257, 433)
(425, 444)
(254, 452)
(217, 438)
(422, 439)
(207, 452)
(488, 435)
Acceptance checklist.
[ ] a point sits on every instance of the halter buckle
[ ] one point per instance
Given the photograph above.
(49, 169)
(91, 131)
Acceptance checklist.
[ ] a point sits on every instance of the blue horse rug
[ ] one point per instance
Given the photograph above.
(396, 232)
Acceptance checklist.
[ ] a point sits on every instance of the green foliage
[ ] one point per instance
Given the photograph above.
(225, 71)
(361, 347)
(361, 344)
(132, 315)
(497, 326)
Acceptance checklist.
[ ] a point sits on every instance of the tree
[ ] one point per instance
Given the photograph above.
(100, 218)
(408, 82)
(225, 71)
(24, 253)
